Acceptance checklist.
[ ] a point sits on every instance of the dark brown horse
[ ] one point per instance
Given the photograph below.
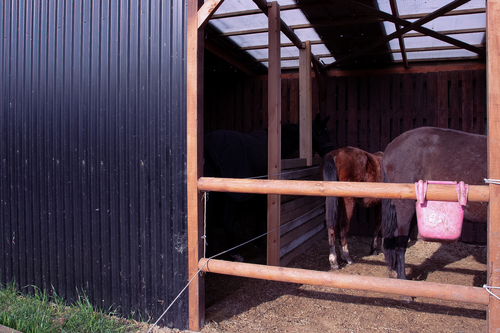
(350, 164)
(428, 153)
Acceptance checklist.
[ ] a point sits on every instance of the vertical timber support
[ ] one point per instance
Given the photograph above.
(305, 97)
(194, 148)
(274, 129)
(493, 89)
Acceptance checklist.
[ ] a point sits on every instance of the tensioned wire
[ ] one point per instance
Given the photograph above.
(205, 195)
(205, 199)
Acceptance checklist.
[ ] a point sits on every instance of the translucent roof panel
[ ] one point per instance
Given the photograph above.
(429, 42)
(236, 6)
(246, 26)
(293, 17)
(446, 54)
(246, 31)
(465, 25)
(406, 7)
(241, 23)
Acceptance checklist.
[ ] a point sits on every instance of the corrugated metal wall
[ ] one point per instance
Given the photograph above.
(92, 146)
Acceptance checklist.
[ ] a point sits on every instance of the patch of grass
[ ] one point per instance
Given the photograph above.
(43, 313)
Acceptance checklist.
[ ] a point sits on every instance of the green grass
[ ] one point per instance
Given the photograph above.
(40, 313)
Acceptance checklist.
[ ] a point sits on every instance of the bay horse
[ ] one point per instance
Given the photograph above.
(355, 165)
(428, 153)
(231, 154)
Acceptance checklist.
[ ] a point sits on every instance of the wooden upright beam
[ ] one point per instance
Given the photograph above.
(305, 103)
(274, 132)
(194, 94)
(493, 88)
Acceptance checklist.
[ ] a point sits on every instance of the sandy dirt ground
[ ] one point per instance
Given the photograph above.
(237, 304)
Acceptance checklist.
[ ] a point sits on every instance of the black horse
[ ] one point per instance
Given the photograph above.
(231, 154)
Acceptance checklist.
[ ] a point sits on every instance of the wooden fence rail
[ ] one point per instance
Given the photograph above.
(477, 193)
(338, 280)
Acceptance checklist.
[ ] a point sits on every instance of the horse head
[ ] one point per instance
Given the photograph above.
(322, 142)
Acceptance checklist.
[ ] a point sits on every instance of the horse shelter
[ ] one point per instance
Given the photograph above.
(372, 89)
(104, 104)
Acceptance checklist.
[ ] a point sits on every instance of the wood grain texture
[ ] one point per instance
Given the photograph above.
(493, 74)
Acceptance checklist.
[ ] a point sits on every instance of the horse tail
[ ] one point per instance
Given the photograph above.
(330, 174)
(389, 227)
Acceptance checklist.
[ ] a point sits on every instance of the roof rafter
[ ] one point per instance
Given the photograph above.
(395, 12)
(417, 25)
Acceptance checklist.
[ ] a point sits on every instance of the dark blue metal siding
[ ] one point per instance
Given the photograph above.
(92, 146)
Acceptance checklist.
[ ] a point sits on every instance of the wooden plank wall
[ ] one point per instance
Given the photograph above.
(302, 217)
(370, 111)
(366, 111)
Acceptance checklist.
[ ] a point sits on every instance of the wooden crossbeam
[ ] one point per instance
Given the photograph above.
(207, 11)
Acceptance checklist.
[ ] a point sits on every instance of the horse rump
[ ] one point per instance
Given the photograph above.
(427, 153)
(350, 164)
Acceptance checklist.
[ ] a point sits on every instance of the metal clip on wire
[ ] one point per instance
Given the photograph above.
(492, 181)
(487, 288)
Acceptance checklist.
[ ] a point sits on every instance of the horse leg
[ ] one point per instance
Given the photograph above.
(344, 228)
(397, 216)
(331, 221)
(229, 214)
(378, 225)
(405, 209)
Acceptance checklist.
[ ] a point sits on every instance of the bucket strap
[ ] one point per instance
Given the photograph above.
(461, 188)
(421, 189)
(462, 192)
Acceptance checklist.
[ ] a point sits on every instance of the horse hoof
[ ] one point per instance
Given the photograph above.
(375, 252)
(350, 262)
(334, 267)
(406, 299)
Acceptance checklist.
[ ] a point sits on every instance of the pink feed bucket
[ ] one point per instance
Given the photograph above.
(440, 220)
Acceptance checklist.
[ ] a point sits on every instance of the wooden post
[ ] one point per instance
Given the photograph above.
(305, 111)
(274, 136)
(493, 89)
(194, 163)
